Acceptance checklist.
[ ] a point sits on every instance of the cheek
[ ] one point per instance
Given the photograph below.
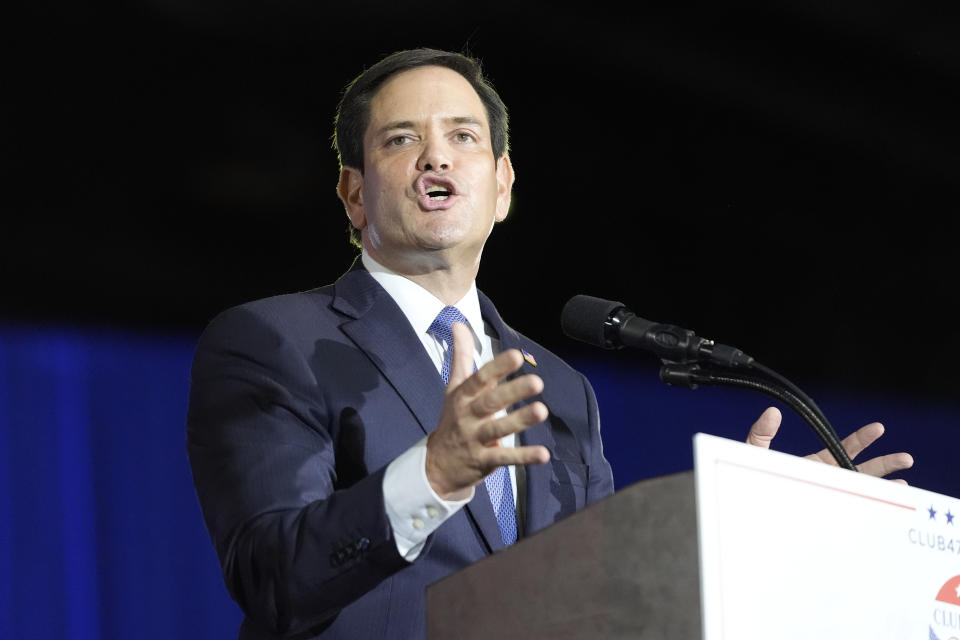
(384, 209)
(375, 196)
(391, 186)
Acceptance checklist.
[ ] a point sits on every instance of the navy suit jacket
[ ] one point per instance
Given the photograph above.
(297, 405)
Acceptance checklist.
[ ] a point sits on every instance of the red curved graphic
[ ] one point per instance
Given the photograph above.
(950, 591)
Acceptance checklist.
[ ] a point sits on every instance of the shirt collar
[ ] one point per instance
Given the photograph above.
(419, 305)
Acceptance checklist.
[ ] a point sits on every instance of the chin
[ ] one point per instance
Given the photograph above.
(444, 237)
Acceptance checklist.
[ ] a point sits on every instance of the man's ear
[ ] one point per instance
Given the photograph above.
(350, 190)
(505, 180)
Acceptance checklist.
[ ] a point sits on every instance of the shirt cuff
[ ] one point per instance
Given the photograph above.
(413, 507)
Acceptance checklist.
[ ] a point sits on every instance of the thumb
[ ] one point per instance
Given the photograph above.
(461, 362)
(765, 428)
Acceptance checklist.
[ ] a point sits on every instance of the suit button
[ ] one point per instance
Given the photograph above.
(363, 543)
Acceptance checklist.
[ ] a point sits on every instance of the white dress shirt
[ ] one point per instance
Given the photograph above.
(413, 507)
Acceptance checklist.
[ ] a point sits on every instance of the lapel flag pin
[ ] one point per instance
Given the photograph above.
(529, 357)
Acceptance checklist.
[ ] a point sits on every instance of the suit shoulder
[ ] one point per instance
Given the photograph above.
(285, 314)
(546, 359)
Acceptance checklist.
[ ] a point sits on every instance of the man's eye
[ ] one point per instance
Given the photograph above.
(399, 141)
(463, 137)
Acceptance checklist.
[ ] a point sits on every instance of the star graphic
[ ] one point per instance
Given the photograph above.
(950, 521)
(933, 513)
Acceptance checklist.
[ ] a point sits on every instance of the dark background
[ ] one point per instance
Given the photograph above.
(781, 177)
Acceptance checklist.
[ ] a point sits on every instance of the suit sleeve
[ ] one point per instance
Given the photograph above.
(296, 543)
(600, 472)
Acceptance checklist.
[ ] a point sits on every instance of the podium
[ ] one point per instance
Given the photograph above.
(751, 544)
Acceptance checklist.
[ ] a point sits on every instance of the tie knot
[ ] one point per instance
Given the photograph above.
(442, 325)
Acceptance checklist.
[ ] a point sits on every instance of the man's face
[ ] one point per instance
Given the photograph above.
(431, 189)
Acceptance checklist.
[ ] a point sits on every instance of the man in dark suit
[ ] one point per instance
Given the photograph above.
(337, 473)
(354, 443)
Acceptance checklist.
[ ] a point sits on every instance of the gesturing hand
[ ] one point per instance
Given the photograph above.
(765, 428)
(465, 445)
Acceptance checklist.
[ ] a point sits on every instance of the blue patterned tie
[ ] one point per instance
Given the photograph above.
(498, 482)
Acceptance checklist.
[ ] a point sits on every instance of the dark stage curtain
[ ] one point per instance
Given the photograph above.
(100, 532)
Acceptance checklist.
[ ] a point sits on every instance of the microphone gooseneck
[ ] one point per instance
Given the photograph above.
(689, 360)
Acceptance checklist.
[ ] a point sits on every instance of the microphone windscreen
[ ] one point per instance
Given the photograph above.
(583, 318)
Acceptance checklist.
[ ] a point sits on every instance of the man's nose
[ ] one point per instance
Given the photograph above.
(434, 157)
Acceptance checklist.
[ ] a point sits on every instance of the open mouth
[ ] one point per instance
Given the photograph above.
(436, 192)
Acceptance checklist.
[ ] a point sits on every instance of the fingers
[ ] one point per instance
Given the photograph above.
(490, 431)
(862, 438)
(765, 428)
(505, 395)
(884, 465)
(856, 442)
(482, 391)
(496, 457)
(462, 374)
(465, 445)
(881, 466)
(461, 361)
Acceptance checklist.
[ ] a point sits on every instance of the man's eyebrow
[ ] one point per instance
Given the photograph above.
(464, 120)
(390, 126)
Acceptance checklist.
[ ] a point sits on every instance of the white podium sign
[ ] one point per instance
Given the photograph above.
(791, 548)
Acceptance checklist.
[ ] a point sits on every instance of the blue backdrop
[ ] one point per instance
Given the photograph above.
(100, 532)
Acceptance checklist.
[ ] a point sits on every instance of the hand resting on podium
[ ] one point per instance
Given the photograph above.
(765, 428)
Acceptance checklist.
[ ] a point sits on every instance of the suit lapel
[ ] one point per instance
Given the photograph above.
(383, 333)
(379, 328)
(537, 475)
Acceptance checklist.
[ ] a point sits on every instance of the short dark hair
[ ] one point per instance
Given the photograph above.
(353, 112)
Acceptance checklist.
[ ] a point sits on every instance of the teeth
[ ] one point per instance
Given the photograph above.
(436, 192)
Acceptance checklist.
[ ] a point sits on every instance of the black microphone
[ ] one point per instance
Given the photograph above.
(610, 325)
